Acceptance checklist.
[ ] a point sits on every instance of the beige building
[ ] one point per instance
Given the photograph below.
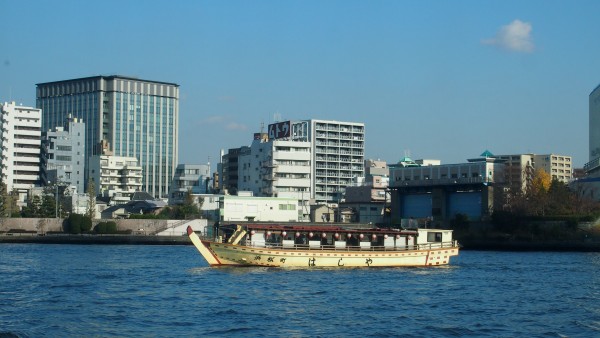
(519, 170)
(559, 167)
(521, 167)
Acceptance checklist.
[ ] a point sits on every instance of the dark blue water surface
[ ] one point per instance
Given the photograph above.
(168, 291)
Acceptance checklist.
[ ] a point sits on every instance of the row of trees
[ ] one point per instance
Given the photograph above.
(51, 203)
(543, 199)
(546, 197)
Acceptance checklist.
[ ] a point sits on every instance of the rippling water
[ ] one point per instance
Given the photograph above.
(168, 291)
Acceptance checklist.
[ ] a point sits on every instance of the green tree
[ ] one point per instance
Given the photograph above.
(86, 224)
(78, 223)
(111, 227)
(4, 201)
(33, 208)
(48, 206)
(91, 191)
(188, 209)
(11, 204)
(100, 228)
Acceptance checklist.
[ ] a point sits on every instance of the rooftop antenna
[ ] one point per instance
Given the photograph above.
(277, 117)
(262, 127)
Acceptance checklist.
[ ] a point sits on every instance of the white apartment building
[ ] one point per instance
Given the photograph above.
(337, 157)
(20, 141)
(327, 153)
(116, 177)
(277, 168)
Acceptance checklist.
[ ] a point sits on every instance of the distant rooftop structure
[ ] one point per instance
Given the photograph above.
(487, 154)
(407, 162)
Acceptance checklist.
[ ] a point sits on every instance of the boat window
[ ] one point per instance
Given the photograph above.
(434, 237)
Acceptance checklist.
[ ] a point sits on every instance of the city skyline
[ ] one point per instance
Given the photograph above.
(438, 80)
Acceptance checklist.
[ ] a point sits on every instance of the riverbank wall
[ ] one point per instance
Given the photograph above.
(44, 226)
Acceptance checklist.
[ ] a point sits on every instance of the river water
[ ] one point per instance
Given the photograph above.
(168, 291)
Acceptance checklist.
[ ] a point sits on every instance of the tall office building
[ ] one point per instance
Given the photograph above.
(593, 165)
(138, 118)
(20, 140)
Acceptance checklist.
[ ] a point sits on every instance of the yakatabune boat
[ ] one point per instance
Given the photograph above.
(325, 246)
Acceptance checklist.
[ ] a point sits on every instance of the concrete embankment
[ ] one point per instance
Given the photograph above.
(95, 239)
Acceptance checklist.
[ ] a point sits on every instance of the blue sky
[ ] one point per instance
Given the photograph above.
(435, 79)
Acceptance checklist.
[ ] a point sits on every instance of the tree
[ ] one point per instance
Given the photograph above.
(189, 208)
(541, 180)
(48, 206)
(561, 201)
(91, 191)
(537, 194)
(11, 203)
(3, 200)
(78, 223)
(33, 207)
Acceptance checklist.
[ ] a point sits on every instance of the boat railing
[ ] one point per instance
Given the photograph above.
(425, 246)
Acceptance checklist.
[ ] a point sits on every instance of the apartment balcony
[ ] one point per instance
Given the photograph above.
(293, 182)
(298, 169)
(132, 182)
(132, 173)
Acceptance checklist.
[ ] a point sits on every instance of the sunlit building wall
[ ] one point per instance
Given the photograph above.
(138, 118)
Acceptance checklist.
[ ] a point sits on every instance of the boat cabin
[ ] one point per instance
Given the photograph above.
(333, 237)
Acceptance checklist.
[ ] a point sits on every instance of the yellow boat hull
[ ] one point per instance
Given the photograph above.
(223, 254)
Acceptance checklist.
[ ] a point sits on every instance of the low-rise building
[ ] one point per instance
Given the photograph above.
(440, 192)
(194, 178)
(258, 209)
(368, 198)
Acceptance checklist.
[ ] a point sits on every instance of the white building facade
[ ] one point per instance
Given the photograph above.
(20, 142)
(258, 209)
(312, 160)
(337, 157)
(116, 177)
(277, 168)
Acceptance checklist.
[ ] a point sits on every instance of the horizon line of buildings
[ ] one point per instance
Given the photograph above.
(122, 134)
